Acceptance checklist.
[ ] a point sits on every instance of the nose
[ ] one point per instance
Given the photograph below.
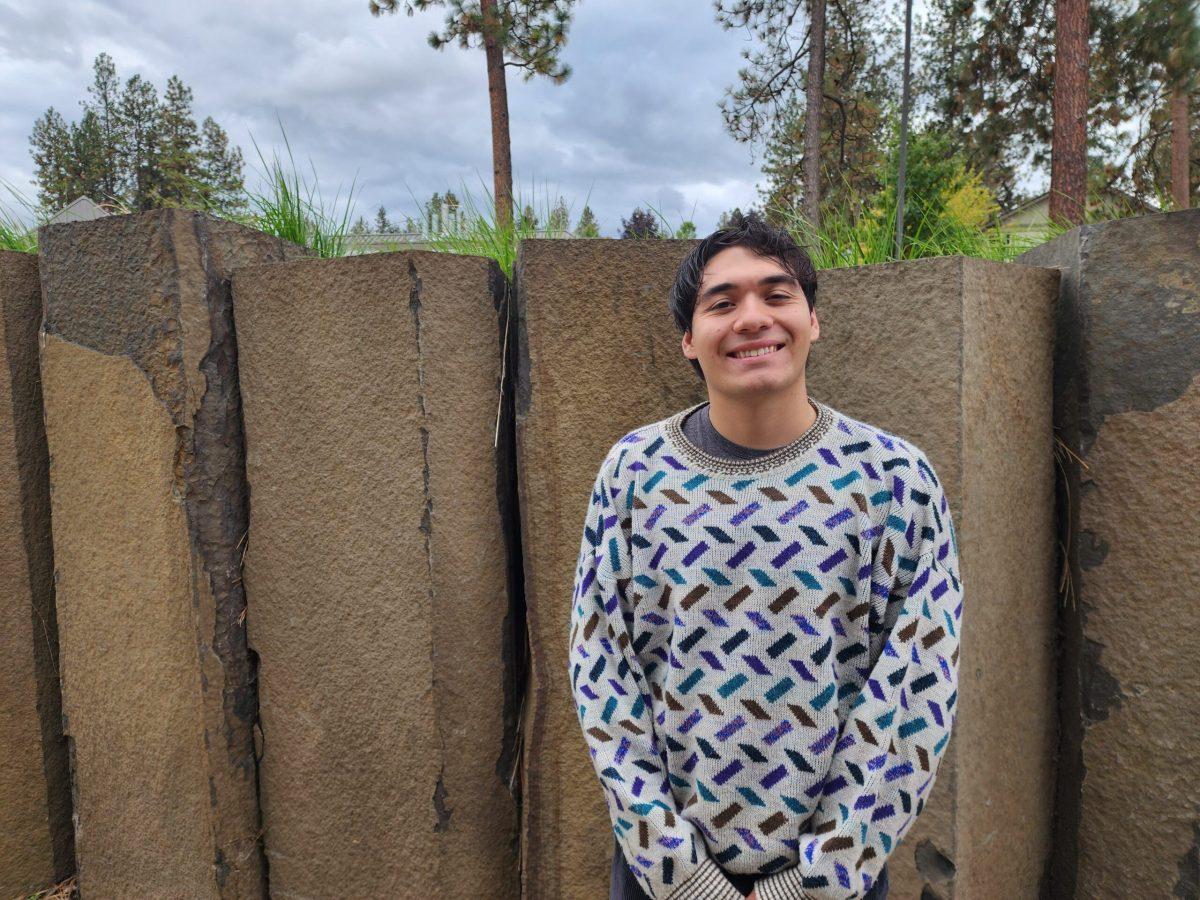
(753, 314)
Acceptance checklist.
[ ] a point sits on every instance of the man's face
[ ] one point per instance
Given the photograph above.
(747, 301)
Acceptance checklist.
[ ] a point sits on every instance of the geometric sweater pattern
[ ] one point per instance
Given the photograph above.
(764, 655)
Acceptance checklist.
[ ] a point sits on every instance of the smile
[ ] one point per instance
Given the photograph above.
(751, 354)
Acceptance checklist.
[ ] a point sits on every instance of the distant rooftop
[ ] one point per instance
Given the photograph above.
(81, 209)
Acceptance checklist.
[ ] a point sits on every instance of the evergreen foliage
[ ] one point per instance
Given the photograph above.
(135, 150)
(640, 224)
(587, 226)
(767, 107)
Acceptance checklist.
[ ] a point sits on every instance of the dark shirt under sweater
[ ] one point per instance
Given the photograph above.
(698, 428)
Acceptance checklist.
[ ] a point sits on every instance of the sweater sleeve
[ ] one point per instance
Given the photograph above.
(897, 727)
(665, 850)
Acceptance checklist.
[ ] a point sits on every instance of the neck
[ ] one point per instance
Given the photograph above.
(762, 422)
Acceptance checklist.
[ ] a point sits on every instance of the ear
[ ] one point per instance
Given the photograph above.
(816, 326)
(688, 350)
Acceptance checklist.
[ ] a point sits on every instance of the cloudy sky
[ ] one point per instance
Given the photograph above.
(364, 98)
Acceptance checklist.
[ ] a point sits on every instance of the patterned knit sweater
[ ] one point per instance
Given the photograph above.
(764, 655)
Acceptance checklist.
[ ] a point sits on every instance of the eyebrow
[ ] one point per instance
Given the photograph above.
(729, 285)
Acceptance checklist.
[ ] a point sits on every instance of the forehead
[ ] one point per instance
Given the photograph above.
(738, 264)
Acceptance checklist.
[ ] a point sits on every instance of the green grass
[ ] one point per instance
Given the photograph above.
(869, 237)
(15, 231)
(481, 235)
(291, 208)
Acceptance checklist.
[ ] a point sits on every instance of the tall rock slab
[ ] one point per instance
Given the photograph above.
(148, 500)
(1127, 408)
(35, 794)
(380, 573)
(953, 354)
(598, 355)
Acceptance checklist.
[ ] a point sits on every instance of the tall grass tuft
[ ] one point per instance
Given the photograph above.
(292, 209)
(15, 232)
(481, 235)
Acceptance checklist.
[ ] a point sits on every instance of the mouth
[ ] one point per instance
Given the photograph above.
(759, 353)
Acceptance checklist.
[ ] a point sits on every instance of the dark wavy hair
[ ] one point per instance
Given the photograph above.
(749, 231)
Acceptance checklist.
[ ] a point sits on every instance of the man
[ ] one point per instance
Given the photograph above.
(764, 640)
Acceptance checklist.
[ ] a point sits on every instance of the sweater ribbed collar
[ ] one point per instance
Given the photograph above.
(783, 456)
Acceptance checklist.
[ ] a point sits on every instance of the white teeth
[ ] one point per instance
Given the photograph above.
(762, 351)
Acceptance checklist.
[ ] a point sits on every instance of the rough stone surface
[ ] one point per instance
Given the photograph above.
(592, 315)
(377, 575)
(35, 800)
(969, 382)
(951, 353)
(148, 501)
(1128, 406)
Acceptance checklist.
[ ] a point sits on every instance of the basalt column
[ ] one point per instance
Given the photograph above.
(954, 354)
(598, 355)
(379, 574)
(35, 796)
(1127, 411)
(148, 500)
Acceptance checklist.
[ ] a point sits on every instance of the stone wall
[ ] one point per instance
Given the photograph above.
(339, 639)
(1127, 389)
(377, 572)
(35, 800)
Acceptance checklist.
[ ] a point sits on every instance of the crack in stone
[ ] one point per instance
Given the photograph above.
(426, 527)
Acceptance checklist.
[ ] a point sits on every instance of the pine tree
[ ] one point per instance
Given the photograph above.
(529, 220)
(1004, 84)
(130, 149)
(1167, 45)
(220, 170)
(141, 124)
(769, 104)
(735, 217)
(526, 34)
(640, 224)
(383, 224)
(50, 145)
(105, 104)
(686, 231)
(587, 226)
(560, 218)
(179, 157)
(452, 206)
(943, 46)
(87, 155)
(433, 214)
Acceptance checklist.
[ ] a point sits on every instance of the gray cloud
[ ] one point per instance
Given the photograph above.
(367, 99)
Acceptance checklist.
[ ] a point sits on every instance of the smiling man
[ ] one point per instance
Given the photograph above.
(766, 618)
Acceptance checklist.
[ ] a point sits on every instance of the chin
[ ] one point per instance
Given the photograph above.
(761, 384)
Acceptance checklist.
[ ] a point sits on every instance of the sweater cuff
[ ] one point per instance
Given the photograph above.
(783, 885)
(708, 882)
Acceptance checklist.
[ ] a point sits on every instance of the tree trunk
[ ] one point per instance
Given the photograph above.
(812, 115)
(1180, 149)
(498, 97)
(1068, 152)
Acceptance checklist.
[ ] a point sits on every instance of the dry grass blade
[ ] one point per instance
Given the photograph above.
(64, 890)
